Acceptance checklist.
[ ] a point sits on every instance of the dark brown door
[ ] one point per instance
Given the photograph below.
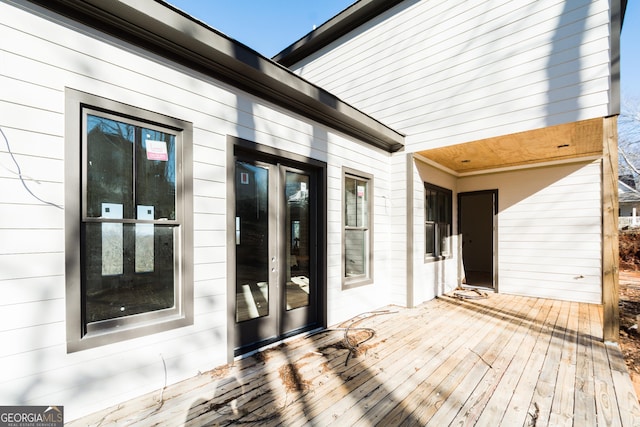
(276, 239)
(477, 228)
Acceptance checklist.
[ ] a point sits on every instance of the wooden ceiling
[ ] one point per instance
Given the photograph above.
(562, 142)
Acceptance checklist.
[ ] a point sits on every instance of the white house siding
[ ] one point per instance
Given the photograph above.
(431, 277)
(343, 304)
(446, 72)
(398, 231)
(41, 55)
(549, 230)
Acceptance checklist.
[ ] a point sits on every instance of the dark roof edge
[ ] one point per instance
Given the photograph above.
(170, 33)
(350, 18)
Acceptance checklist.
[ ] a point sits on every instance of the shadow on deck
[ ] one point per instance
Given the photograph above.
(505, 360)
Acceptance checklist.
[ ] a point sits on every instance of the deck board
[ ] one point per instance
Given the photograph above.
(501, 361)
(417, 394)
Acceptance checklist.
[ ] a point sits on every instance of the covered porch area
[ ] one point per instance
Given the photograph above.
(559, 185)
(501, 360)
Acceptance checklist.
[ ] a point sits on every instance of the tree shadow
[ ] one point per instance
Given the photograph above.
(288, 383)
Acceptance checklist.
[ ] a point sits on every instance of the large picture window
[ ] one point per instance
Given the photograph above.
(132, 232)
(357, 219)
(437, 223)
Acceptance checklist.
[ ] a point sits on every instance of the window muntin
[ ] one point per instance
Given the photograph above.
(438, 207)
(357, 229)
(128, 235)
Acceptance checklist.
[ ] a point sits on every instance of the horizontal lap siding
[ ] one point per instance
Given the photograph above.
(562, 224)
(451, 72)
(432, 278)
(398, 230)
(36, 367)
(343, 304)
(549, 231)
(45, 55)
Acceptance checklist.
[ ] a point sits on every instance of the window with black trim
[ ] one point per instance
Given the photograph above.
(130, 222)
(437, 224)
(357, 224)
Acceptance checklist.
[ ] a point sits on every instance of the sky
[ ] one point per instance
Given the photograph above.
(268, 26)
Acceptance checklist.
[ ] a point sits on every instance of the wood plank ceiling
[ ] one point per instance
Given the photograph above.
(554, 143)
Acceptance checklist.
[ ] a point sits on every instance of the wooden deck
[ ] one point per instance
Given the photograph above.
(500, 361)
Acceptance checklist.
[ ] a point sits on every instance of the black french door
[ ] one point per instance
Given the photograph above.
(276, 241)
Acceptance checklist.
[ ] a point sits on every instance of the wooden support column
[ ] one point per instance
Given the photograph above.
(610, 250)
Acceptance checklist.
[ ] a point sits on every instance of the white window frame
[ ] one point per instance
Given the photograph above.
(351, 281)
(82, 334)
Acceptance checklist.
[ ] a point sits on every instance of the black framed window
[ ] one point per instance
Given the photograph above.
(437, 224)
(357, 220)
(132, 232)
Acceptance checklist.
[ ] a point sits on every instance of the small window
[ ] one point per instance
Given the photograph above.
(437, 221)
(357, 220)
(131, 234)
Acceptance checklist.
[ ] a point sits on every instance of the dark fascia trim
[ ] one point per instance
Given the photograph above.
(168, 32)
(350, 18)
(616, 18)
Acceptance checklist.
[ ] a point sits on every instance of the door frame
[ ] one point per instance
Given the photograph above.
(269, 154)
(494, 262)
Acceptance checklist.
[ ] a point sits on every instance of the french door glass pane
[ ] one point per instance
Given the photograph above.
(252, 241)
(297, 239)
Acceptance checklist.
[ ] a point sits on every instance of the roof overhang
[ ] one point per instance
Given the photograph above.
(168, 32)
(355, 15)
(555, 144)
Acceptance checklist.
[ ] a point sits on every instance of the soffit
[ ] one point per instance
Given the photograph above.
(555, 143)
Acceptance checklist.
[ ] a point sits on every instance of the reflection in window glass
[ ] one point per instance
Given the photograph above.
(109, 165)
(252, 241)
(437, 220)
(130, 184)
(355, 252)
(156, 173)
(356, 221)
(356, 208)
(110, 296)
(113, 147)
(298, 215)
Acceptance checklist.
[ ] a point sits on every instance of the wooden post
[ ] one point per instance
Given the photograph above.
(610, 250)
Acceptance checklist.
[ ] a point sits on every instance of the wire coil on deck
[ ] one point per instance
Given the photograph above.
(470, 293)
